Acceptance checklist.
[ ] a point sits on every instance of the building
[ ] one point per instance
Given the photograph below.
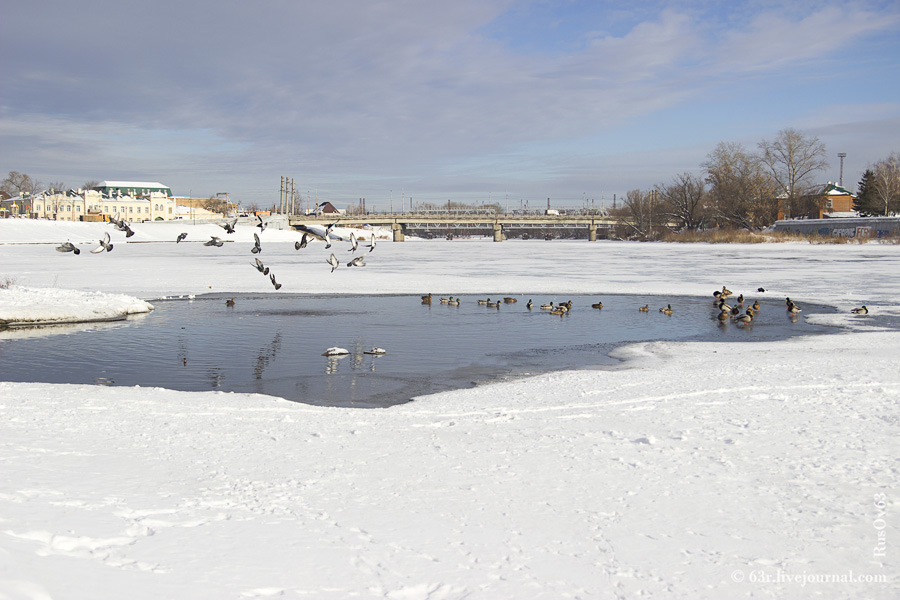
(829, 200)
(92, 205)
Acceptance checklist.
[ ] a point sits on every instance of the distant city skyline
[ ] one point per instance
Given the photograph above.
(473, 101)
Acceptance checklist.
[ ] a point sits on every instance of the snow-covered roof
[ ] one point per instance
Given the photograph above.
(132, 184)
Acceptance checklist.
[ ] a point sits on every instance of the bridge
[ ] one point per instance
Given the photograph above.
(401, 223)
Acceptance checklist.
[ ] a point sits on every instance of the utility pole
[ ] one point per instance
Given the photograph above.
(842, 156)
(292, 196)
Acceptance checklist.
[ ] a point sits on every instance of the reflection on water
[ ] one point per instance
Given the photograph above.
(273, 344)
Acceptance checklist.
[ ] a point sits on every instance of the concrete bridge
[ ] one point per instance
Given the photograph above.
(400, 223)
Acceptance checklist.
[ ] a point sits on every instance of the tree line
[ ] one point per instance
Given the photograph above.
(742, 189)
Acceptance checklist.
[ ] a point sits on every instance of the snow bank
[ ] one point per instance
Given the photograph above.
(24, 306)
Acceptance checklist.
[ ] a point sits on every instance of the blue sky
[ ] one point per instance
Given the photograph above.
(473, 100)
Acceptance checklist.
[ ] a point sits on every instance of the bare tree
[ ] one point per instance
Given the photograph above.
(792, 159)
(741, 192)
(886, 184)
(89, 185)
(215, 204)
(637, 213)
(683, 199)
(19, 184)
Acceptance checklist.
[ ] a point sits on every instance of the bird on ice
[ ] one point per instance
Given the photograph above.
(333, 261)
(104, 245)
(68, 247)
(214, 241)
(862, 310)
(180, 237)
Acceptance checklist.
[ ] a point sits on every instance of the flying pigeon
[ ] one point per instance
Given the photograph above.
(275, 283)
(302, 243)
(353, 242)
(180, 237)
(256, 249)
(359, 261)
(104, 245)
(261, 224)
(372, 243)
(229, 227)
(214, 241)
(333, 261)
(261, 267)
(68, 247)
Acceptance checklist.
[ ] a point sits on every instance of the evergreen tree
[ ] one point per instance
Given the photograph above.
(866, 204)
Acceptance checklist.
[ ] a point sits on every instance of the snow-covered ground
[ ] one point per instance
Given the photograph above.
(695, 470)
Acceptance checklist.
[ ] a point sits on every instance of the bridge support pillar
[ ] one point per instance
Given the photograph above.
(592, 233)
(498, 232)
(398, 232)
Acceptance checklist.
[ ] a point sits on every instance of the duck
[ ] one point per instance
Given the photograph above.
(666, 310)
(558, 311)
(740, 299)
(756, 305)
(484, 302)
(793, 308)
(335, 351)
(229, 302)
(862, 310)
(745, 318)
(597, 305)
(723, 316)
(426, 299)
(644, 308)
(722, 305)
(530, 304)
(568, 305)
(726, 291)
(494, 305)
(735, 310)
(453, 301)
(548, 306)
(446, 300)
(760, 290)
(509, 300)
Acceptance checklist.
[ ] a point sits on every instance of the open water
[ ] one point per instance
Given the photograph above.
(273, 344)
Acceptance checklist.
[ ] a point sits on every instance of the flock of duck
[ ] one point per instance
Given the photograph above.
(735, 311)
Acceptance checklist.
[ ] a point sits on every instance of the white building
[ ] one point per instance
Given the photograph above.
(92, 205)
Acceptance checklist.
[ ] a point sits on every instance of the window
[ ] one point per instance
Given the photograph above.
(77, 208)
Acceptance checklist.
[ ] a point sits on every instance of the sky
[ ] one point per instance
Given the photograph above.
(474, 101)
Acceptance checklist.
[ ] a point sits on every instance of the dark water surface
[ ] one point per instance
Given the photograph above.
(273, 344)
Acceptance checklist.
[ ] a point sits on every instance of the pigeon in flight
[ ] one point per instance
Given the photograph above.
(214, 241)
(256, 249)
(180, 237)
(121, 225)
(68, 247)
(372, 243)
(104, 245)
(333, 261)
(359, 261)
(353, 242)
(261, 267)
(229, 227)
(302, 243)
(261, 224)
(275, 283)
